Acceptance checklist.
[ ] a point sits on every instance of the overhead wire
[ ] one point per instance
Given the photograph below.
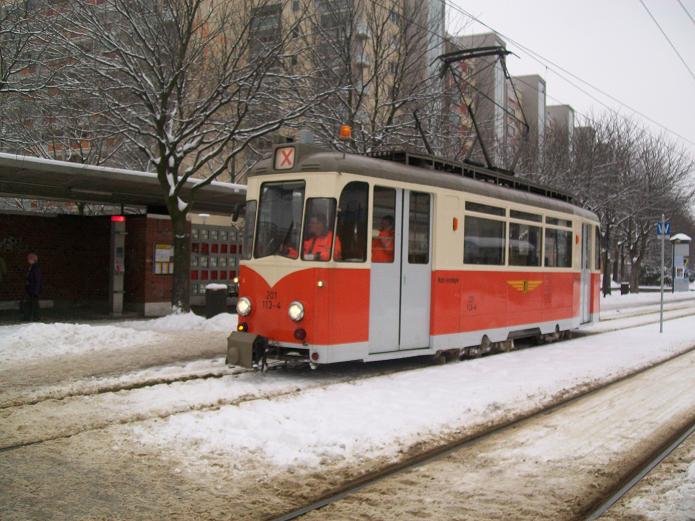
(686, 11)
(667, 39)
(554, 67)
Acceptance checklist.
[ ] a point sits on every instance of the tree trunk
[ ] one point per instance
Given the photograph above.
(181, 294)
(606, 276)
(634, 276)
(605, 263)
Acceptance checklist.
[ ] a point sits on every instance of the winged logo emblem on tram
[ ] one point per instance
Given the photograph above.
(524, 286)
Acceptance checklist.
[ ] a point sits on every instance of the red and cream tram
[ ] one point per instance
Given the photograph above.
(355, 258)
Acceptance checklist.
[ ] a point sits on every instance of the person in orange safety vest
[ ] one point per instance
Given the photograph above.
(382, 244)
(318, 245)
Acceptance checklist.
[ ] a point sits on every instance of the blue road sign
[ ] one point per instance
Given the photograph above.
(667, 226)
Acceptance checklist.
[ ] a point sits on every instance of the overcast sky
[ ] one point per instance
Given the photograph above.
(612, 44)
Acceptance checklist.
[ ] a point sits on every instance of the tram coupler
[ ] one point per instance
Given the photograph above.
(245, 349)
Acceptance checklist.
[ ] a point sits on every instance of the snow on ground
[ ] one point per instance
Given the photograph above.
(184, 322)
(379, 417)
(38, 340)
(675, 501)
(616, 300)
(632, 317)
(667, 492)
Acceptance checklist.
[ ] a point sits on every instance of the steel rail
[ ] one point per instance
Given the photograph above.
(427, 456)
(589, 332)
(114, 388)
(642, 470)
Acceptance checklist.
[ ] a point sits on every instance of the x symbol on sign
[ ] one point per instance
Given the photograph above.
(286, 159)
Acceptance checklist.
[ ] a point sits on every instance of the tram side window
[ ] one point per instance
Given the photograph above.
(352, 223)
(249, 227)
(419, 228)
(524, 245)
(383, 224)
(484, 241)
(597, 251)
(279, 219)
(558, 248)
(318, 229)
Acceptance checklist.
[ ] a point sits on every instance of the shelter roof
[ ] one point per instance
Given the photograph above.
(32, 177)
(680, 237)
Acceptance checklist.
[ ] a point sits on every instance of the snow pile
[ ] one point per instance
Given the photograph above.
(383, 415)
(35, 341)
(676, 503)
(184, 322)
(38, 340)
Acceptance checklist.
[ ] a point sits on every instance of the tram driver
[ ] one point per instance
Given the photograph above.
(382, 242)
(317, 246)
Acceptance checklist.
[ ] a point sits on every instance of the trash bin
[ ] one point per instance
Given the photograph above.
(215, 299)
(624, 288)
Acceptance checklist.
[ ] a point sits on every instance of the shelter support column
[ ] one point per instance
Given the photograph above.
(117, 264)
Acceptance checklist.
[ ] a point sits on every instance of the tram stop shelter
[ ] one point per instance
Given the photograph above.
(119, 259)
(681, 262)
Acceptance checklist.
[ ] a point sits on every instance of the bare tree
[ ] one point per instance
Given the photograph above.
(627, 177)
(28, 62)
(188, 84)
(662, 178)
(22, 47)
(376, 53)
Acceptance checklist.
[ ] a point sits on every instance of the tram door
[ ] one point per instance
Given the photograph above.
(400, 286)
(586, 272)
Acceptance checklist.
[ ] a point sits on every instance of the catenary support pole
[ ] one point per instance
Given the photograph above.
(663, 240)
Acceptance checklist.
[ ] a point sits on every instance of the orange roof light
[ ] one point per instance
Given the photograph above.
(345, 132)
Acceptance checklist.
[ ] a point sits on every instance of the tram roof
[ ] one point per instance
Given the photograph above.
(429, 171)
(32, 177)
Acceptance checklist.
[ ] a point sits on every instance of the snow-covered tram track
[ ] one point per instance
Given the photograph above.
(266, 456)
(637, 320)
(640, 472)
(647, 309)
(421, 457)
(68, 415)
(213, 367)
(97, 405)
(124, 382)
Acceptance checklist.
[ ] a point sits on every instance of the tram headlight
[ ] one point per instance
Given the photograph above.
(296, 311)
(243, 306)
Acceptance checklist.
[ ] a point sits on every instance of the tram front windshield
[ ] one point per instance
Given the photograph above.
(279, 219)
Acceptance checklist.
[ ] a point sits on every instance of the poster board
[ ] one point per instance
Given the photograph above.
(163, 259)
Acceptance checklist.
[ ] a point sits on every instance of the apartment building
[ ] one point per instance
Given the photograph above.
(377, 57)
(532, 92)
(561, 117)
(493, 102)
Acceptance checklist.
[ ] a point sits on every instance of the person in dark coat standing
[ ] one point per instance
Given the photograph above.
(33, 288)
